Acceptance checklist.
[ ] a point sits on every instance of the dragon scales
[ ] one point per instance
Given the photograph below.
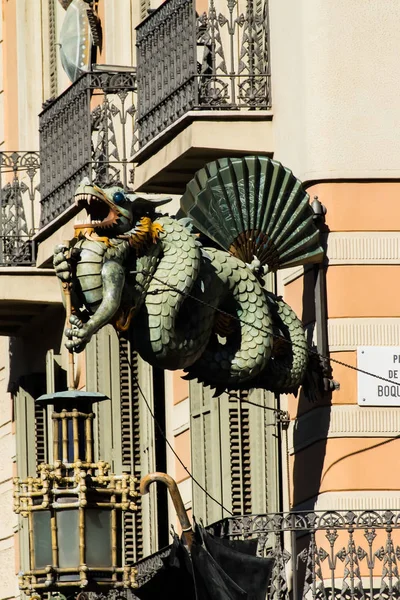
(192, 287)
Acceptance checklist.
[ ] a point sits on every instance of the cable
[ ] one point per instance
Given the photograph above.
(165, 437)
(275, 335)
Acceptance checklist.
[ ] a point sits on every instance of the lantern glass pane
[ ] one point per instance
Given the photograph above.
(98, 538)
(68, 537)
(70, 441)
(41, 539)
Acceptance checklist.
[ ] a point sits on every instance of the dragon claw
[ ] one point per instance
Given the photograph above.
(74, 320)
(78, 335)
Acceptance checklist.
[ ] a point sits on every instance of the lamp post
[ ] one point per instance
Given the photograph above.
(74, 507)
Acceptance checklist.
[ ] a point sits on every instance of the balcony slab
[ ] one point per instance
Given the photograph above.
(24, 294)
(167, 163)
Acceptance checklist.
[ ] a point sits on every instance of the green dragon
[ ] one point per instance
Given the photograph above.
(192, 287)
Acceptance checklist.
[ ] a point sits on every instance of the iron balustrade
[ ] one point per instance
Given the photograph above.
(216, 60)
(328, 555)
(87, 131)
(19, 204)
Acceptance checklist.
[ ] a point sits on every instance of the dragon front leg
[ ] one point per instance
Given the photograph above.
(113, 278)
(61, 263)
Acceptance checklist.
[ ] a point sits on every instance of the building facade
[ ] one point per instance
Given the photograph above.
(174, 85)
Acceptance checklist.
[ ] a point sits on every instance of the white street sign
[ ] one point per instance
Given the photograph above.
(385, 362)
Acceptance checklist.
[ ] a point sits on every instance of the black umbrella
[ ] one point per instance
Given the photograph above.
(206, 567)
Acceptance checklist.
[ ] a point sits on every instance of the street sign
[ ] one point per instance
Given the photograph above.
(383, 361)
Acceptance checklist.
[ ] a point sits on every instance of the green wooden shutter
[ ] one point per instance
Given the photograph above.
(26, 460)
(30, 446)
(239, 445)
(234, 452)
(210, 456)
(124, 428)
(130, 446)
(40, 435)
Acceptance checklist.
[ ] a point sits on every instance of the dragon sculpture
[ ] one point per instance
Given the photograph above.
(192, 287)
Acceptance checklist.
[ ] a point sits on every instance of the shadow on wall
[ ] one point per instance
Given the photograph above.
(307, 475)
(28, 352)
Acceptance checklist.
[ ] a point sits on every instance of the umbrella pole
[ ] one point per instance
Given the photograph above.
(66, 286)
(176, 498)
(71, 364)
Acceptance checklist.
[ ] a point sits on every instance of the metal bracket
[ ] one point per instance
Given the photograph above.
(283, 418)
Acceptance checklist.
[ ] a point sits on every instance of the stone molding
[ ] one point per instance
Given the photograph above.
(351, 500)
(349, 333)
(357, 248)
(364, 248)
(342, 421)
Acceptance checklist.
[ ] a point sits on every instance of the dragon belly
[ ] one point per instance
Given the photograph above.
(89, 285)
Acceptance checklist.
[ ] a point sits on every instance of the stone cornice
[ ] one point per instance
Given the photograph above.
(353, 500)
(342, 422)
(357, 248)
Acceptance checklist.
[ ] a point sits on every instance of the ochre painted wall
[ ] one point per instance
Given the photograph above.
(10, 74)
(358, 289)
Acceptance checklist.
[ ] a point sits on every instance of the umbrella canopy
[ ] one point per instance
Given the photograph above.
(216, 569)
(76, 40)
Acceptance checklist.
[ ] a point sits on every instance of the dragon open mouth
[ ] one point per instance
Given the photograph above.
(100, 214)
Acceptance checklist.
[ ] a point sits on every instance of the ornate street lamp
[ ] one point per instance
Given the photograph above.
(74, 507)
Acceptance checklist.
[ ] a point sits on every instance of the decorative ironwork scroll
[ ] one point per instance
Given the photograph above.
(319, 555)
(86, 131)
(216, 60)
(19, 190)
(347, 555)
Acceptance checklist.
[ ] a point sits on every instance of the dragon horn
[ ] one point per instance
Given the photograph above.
(145, 203)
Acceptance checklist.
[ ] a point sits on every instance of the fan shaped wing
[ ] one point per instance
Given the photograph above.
(254, 207)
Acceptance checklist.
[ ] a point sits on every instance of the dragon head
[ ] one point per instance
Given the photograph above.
(112, 211)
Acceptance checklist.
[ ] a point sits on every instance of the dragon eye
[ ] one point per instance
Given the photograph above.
(118, 197)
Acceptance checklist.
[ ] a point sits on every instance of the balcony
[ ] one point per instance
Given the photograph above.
(19, 220)
(197, 75)
(19, 192)
(317, 555)
(85, 132)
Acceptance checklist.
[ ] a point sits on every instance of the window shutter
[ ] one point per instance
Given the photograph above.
(130, 445)
(124, 428)
(243, 436)
(209, 445)
(26, 458)
(40, 435)
(239, 441)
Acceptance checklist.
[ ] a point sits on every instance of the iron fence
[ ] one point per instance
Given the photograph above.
(85, 132)
(216, 60)
(19, 203)
(318, 555)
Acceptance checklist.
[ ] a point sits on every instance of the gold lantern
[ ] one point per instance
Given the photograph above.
(74, 507)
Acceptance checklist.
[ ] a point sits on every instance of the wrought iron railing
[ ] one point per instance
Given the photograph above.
(19, 205)
(318, 555)
(216, 60)
(85, 132)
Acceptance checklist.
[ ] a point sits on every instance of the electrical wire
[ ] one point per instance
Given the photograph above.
(238, 319)
(273, 334)
(163, 435)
